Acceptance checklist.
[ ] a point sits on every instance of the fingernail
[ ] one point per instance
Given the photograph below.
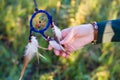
(49, 47)
(57, 54)
(66, 56)
(63, 54)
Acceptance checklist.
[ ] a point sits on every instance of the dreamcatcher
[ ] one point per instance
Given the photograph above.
(40, 21)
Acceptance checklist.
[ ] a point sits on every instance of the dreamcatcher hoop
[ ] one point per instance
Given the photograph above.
(41, 31)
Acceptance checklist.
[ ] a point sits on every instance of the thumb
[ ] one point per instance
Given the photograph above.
(68, 37)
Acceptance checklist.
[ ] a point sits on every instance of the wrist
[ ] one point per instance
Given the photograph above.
(95, 32)
(91, 30)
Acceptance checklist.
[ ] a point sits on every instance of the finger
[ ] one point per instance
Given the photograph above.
(68, 37)
(57, 53)
(49, 47)
(63, 54)
(67, 55)
(65, 32)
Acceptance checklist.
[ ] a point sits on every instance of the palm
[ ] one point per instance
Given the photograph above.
(76, 37)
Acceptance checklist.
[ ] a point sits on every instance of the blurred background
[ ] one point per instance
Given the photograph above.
(93, 62)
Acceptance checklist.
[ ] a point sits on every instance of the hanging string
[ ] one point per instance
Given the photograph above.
(36, 7)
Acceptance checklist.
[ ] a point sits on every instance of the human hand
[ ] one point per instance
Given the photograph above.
(75, 38)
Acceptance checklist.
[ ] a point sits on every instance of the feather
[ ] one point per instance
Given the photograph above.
(56, 45)
(25, 63)
(30, 52)
(57, 32)
(42, 56)
(57, 37)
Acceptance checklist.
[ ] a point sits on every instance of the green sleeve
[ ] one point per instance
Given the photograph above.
(108, 31)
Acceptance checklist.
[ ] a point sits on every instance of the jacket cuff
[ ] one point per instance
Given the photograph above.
(108, 31)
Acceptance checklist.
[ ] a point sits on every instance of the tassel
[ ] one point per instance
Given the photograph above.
(30, 52)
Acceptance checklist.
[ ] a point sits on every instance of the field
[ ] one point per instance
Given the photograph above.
(93, 62)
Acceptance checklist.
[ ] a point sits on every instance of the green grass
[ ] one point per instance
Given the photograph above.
(93, 62)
